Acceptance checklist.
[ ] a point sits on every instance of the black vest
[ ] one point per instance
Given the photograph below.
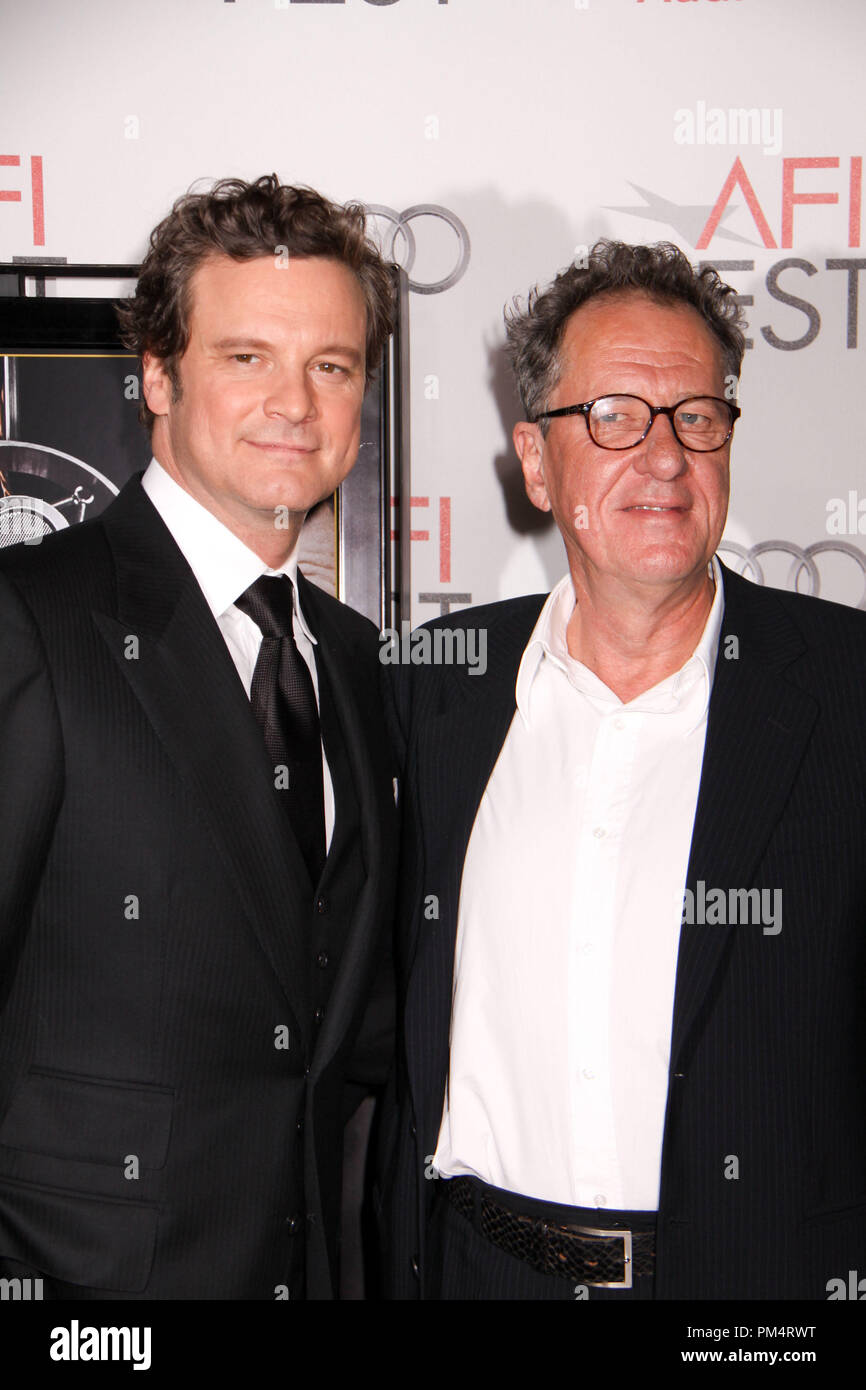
(334, 899)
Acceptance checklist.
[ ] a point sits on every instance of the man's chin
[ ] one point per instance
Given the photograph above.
(669, 569)
(288, 490)
(287, 501)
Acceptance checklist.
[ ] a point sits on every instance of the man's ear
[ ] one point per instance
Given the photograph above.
(529, 443)
(156, 383)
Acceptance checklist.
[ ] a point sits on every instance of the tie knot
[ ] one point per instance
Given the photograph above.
(269, 603)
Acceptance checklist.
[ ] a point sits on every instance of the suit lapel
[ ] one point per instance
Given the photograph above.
(757, 731)
(186, 682)
(457, 751)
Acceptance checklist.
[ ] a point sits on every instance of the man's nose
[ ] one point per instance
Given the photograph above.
(661, 453)
(290, 394)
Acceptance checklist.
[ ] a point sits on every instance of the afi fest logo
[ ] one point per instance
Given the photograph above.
(818, 196)
(35, 192)
(792, 197)
(698, 224)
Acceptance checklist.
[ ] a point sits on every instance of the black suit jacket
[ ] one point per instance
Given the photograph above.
(768, 1050)
(170, 1109)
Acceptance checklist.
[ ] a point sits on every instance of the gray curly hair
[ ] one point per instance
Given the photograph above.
(535, 332)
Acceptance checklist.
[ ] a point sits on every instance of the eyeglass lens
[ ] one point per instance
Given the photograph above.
(618, 422)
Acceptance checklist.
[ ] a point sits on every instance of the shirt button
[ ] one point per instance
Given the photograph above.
(588, 948)
(323, 960)
(589, 1074)
(600, 1199)
(599, 832)
(619, 722)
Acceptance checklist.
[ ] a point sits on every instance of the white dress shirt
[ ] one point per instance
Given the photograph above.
(568, 929)
(225, 568)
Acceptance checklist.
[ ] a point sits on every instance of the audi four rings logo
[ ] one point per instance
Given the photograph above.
(400, 227)
(802, 560)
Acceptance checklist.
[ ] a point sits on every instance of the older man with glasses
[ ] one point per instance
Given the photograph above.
(634, 894)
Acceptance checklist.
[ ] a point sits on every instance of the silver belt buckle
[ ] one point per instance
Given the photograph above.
(625, 1237)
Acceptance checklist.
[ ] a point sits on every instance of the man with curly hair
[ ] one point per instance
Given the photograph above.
(633, 904)
(198, 810)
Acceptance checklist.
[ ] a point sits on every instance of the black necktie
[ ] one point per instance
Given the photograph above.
(283, 701)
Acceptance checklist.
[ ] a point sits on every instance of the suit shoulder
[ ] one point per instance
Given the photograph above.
(825, 620)
(503, 613)
(453, 656)
(825, 626)
(67, 562)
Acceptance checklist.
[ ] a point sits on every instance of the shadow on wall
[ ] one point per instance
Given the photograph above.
(514, 247)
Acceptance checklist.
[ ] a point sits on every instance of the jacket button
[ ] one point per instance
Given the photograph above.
(299, 1126)
(413, 1132)
(318, 1015)
(323, 960)
(321, 906)
(293, 1225)
(416, 1268)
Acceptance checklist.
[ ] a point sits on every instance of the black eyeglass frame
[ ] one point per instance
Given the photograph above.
(585, 409)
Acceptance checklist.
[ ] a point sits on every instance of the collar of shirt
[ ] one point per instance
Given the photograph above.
(549, 643)
(223, 566)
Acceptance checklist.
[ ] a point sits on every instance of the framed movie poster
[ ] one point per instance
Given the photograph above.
(70, 437)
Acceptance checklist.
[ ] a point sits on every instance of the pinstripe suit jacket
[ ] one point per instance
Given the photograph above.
(170, 1117)
(768, 1047)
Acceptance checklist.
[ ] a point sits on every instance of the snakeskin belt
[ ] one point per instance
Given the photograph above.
(605, 1258)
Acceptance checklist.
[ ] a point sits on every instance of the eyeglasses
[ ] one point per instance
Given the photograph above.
(700, 423)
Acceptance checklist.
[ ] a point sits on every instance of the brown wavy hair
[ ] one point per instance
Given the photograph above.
(245, 221)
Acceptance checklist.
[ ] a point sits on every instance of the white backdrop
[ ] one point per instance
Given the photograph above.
(536, 125)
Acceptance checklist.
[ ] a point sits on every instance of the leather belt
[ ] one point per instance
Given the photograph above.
(606, 1259)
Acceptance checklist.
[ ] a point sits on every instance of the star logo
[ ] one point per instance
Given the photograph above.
(687, 219)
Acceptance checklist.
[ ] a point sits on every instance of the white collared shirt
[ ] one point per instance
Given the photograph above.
(225, 568)
(568, 929)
